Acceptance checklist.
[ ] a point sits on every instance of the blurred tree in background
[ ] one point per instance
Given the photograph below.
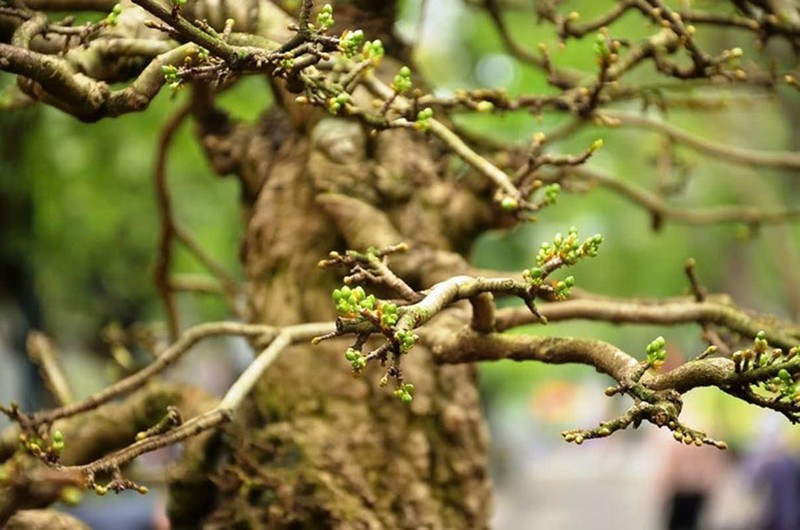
(323, 143)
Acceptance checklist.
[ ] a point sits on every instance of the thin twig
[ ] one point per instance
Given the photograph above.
(220, 414)
(676, 311)
(187, 340)
(164, 202)
(691, 216)
(215, 267)
(42, 352)
(723, 152)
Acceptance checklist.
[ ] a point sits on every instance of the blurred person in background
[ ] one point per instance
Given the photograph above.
(775, 472)
(688, 478)
(688, 475)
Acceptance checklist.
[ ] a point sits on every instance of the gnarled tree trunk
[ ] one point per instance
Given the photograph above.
(316, 448)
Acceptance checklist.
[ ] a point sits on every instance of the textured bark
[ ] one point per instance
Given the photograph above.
(316, 448)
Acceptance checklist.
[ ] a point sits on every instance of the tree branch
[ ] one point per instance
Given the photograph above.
(724, 152)
(661, 210)
(681, 311)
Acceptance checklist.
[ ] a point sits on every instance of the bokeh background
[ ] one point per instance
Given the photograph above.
(78, 233)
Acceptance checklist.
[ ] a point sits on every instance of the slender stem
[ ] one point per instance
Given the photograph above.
(187, 340)
(220, 414)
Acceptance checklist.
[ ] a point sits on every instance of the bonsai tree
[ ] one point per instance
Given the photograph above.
(363, 191)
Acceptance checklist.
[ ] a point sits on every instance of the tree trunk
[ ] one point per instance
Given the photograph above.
(315, 447)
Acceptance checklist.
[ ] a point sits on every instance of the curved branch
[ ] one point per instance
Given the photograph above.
(215, 417)
(168, 357)
(659, 208)
(738, 155)
(468, 346)
(657, 312)
(56, 82)
(164, 201)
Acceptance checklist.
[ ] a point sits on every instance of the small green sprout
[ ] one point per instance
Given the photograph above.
(406, 340)
(70, 495)
(171, 76)
(404, 393)
(656, 352)
(601, 46)
(325, 17)
(357, 361)
(423, 119)
(373, 51)
(337, 103)
(350, 42)
(551, 192)
(509, 204)
(350, 302)
(534, 275)
(568, 248)
(760, 343)
(388, 314)
(402, 81)
(113, 18)
(58, 442)
(562, 288)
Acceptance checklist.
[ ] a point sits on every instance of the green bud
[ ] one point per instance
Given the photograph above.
(70, 496)
(601, 46)
(373, 51)
(509, 204)
(325, 16)
(551, 192)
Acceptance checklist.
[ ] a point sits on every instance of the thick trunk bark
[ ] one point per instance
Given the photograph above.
(316, 448)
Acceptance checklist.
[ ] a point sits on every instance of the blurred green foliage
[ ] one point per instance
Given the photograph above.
(94, 224)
